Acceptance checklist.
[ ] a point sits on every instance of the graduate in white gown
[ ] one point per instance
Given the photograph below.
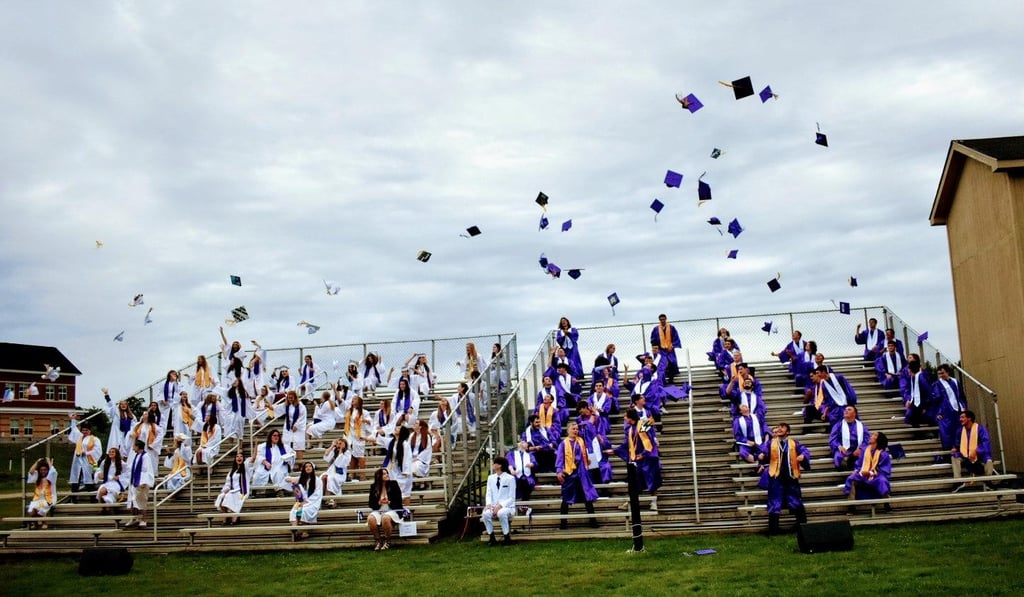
(293, 432)
(122, 420)
(255, 377)
(406, 400)
(151, 433)
(236, 410)
(262, 406)
(141, 480)
(111, 477)
(210, 404)
(399, 460)
(88, 451)
(371, 370)
(325, 417)
(235, 489)
(181, 416)
(338, 458)
(271, 461)
(309, 492)
(178, 463)
(209, 441)
(423, 444)
(44, 495)
(358, 428)
(203, 381)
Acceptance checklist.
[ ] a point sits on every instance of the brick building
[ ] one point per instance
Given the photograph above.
(37, 416)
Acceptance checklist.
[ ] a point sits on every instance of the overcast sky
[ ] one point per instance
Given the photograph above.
(291, 142)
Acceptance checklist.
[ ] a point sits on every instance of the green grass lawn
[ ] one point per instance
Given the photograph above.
(982, 558)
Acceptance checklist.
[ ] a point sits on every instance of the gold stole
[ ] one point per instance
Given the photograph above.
(570, 456)
(819, 395)
(44, 491)
(205, 438)
(470, 365)
(665, 337)
(969, 442)
(202, 378)
(645, 439)
(776, 460)
(871, 456)
(733, 370)
(179, 465)
(547, 414)
(359, 425)
(88, 449)
(186, 414)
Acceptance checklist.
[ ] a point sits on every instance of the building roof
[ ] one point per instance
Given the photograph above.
(30, 359)
(1001, 154)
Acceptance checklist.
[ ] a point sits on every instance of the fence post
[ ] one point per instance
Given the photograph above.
(792, 326)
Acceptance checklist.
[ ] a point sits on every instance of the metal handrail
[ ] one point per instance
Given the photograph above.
(46, 440)
(693, 443)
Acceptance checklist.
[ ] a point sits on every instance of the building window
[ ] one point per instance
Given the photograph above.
(62, 393)
(54, 426)
(50, 392)
(22, 388)
(15, 423)
(28, 427)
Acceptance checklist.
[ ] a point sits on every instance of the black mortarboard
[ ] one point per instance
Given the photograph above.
(844, 308)
(542, 200)
(714, 221)
(613, 299)
(774, 285)
(472, 230)
(821, 139)
(423, 256)
(236, 280)
(741, 88)
(733, 253)
(543, 261)
(657, 206)
(673, 179)
(575, 273)
(767, 327)
(853, 281)
(239, 314)
(716, 152)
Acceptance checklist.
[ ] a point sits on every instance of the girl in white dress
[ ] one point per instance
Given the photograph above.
(235, 489)
(256, 370)
(210, 404)
(399, 461)
(293, 434)
(472, 362)
(111, 477)
(338, 458)
(149, 432)
(355, 380)
(204, 380)
(357, 429)
(178, 461)
(324, 417)
(44, 496)
(209, 441)
(406, 400)
(423, 445)
(440, 416)
(237, 410)
(262, 406)
(122, 420)
(181, 415)
(372, 370)
(271, 461)
(309, 492)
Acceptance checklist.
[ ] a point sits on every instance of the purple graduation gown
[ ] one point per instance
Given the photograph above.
(648, 468)
(871, 488)
(576, 487)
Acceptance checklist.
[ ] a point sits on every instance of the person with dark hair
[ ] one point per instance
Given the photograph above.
(122, 420)
(572, 463)
(872, 339)
(499, 501)
(293, 434)
(609, 360)
(666, 338)
(781, 477)
(308, 490)
(237, 411)
(231, 350)
(271, 460)
(848, 439)
(568, 338)
(398, 459)
(112, 477)
(235, 490)
(973, 451)
(890, 336)
(917, 396)
(803, 368)
(949, 396)
(209, 440)
(750, 433)
(870, 477)
(385, 496)
(521, 464)
(338, 459)
(178, 461)
(151, 434)
(792, 351)
(541, 442)
(44, 495)
(309, 374)
(889, 365)
(828, 398)
(640, 448)
(142, 479)
(88, 451)
(422, 446)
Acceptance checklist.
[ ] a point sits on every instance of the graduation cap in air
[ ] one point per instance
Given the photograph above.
(543, 222)
(734, 228)
(844, 308)
(716, 153)
(31, 390)
(714, 221)
(8, 395)
(99, 245)
(673, 179)
(310, 328)
(613, 299)
(148, 319)
(566, 225)
(331, 288)
(690, 102)
(766, 94)
(543, 261)
(135, 302)
(574, 273)
(733, 253)
(542, 200)
(657, 206)
(853, 281)
(741, 88)
(236, 280)
(119, 337)
(471, 232)
(820, 138)
(703, 190)
(423, 256)
(767, 327)
(52, 373)
(238, 315)
(554, 271)
(922, 338)
(774, 284)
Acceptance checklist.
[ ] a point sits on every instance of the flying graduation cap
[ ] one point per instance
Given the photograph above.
(716, 153)
(543, 261)
(148, 320)
(471, 232)
(673, 179)
(741, 88)
(238, 315)
(543, 222)
(774, 284)
(331, 288)
(690, 102)
(553, 270)
(423, 256)
(922, 338)
(542, 200)
(236, 280)
(819, 137)
(853, 281)
(99, 245)
(613, 299)
(766, 94)
(52, 373)
(136, 301)
(566, 225)
(310, 328)
(657, 206)
(767, 327)
(119, 337)
(844, 308)
(714, 221)
(734, 228)
(574, 273)
(733, 253)
(703, 190)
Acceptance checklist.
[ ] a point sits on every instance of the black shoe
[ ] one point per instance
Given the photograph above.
(887, 507)
(491, 542)
(851, 509)
(563, 525)
(506, 540)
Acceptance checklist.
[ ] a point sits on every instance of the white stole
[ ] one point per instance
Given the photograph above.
(750, 399)
(595, 454)
(836, 389)
(951, 393)
(756, 427)
(915, 389)
(846, 433)
(521, 460)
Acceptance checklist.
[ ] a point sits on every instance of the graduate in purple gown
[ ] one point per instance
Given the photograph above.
(973, 450)
(750, 432)
(917, 396)
(830, 395)
(723, 343)
(847, 440)
(872, 339)
(747, 392)
(557, 356)
(725, 357)
(890, 336)
(666, 337)
(784, 457)
(604, 404)
(567, 390)
(871, 473)
(541, 444)
(572, 463)
(569, 338)
(792, 351)
(608, 358)
(888, 367)
(640, 447)
(805, 365)
(950, 400)
(551, 417)
(522, 464)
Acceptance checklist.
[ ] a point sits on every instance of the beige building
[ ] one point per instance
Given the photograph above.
(980, 201)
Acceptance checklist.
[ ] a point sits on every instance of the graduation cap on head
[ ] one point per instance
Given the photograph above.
(733, 253)
(844, 308)
(236, 280)
(703, 190)
(774, 284)
(331, 288)
(543, 261)
(766, 94)
(673, 179)
(119, 337)
(820, 138)
(543, 222)
(575, 273)
(767, 327)
(310, 328)
(566, 225)
(136, 301)
(613, 299)
(554, 271)
(238, 315)
(741, 88)
(734, 228)
(716, 153)
(853, 281)
(690, 102)
(471, 231)
(148, 319)
(657, 206)
(423, 256)
(542, 200)
(922, 338)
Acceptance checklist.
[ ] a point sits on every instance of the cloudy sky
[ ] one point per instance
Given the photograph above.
(288, 143)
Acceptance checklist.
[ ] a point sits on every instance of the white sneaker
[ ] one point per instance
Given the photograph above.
(654, 504)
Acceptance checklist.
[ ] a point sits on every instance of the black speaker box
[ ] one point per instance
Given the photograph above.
(105, 561)
(825, 536)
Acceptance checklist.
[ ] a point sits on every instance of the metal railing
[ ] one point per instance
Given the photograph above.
(45, 441)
